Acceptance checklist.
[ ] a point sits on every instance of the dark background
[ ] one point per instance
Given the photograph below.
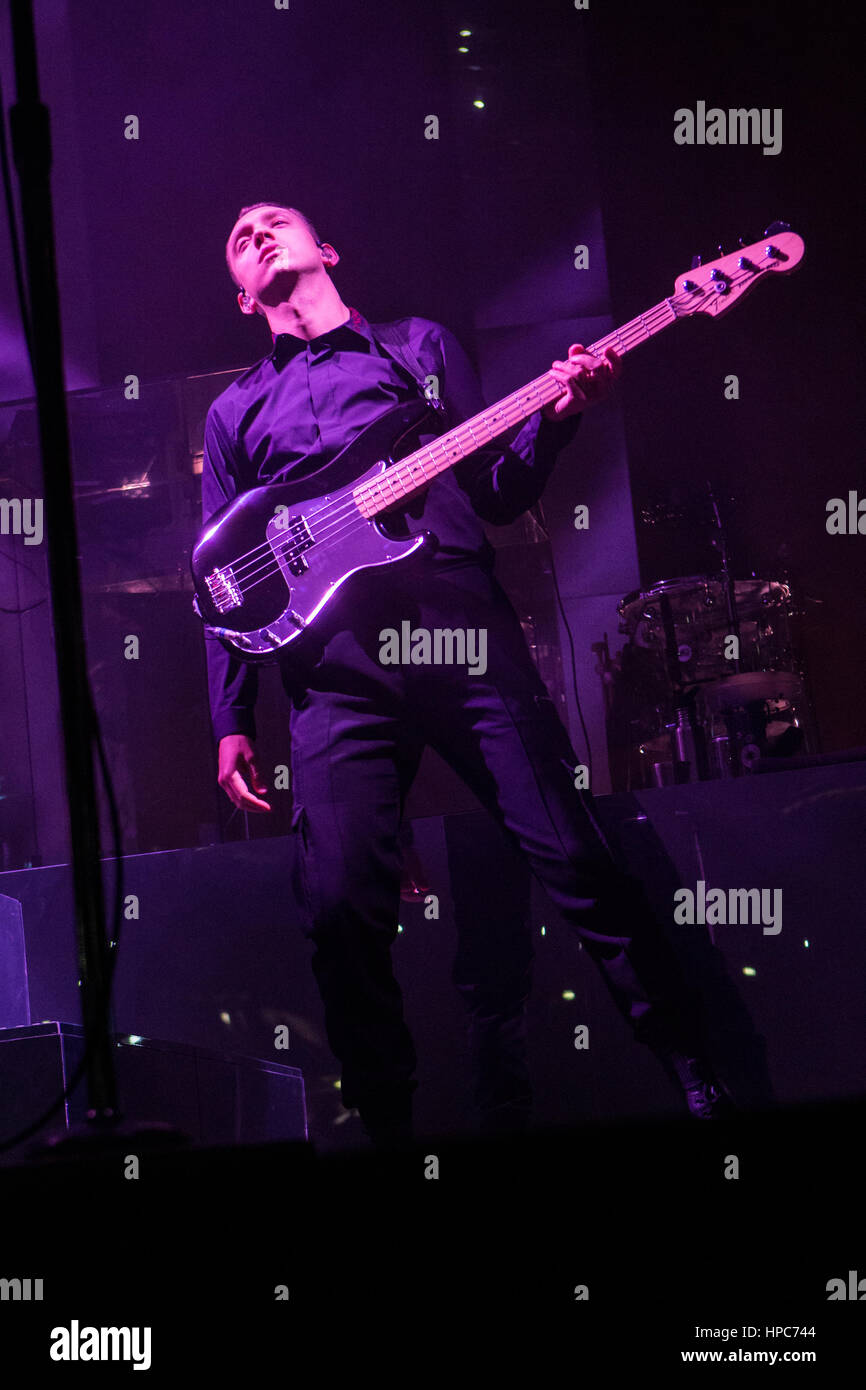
(325, 108)
(794, 438)
(330, 120)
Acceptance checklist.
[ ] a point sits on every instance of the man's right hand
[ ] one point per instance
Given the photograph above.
(237, 760)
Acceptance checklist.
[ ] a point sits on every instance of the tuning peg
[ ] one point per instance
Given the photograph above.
(696, 260)
(720, 251)
(777, 227)
(740, 240)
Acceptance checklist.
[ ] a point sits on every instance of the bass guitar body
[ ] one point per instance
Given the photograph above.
(271, 559)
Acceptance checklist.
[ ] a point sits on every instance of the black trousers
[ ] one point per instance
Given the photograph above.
(358, 729)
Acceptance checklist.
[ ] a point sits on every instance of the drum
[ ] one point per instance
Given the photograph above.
(685, 623)
(752, 715)
(703, 705)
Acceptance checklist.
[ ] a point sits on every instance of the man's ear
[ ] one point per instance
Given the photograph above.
(329, 255)
(247, 305)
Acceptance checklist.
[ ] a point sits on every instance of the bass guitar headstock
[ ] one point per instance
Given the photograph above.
(715, 287)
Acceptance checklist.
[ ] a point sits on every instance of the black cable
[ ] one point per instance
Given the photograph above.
(27, 606)
(13, 233)
(19, 282)
(571, 645)
(96, 733)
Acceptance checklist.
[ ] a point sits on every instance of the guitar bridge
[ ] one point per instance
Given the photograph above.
(224, 589)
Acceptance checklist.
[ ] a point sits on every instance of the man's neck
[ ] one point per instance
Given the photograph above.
(309, 313)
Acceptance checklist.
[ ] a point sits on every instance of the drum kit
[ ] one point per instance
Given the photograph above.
(709, 683)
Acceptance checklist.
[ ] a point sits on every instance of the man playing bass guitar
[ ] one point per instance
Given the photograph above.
(359, 726)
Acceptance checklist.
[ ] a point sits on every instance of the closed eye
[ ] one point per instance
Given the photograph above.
(280, 222)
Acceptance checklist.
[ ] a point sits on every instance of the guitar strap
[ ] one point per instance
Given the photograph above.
(394, 340)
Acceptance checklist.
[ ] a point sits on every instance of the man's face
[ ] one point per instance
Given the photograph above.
(267, 244)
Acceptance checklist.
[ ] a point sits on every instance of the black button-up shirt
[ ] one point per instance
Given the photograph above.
(293, 412)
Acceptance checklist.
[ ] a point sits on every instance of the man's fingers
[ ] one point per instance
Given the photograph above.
(256, 780)
(238, 792)
(610, 363)
(574, 374)
(569, 382)
(571, 372)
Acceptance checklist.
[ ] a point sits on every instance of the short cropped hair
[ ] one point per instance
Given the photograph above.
(286, 208)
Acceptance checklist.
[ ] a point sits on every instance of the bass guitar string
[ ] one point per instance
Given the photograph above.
(344, 517)
(348, 503)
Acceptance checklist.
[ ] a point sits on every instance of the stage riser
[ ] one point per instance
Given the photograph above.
(212, 1099)
(217, 960)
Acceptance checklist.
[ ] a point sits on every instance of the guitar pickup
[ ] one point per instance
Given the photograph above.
(295, 538)
(224, 589)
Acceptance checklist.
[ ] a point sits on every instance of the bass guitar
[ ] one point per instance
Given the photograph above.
(270, 561)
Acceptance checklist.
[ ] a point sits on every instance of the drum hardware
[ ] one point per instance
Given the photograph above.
(721, 545)
(684, 746)
(690, 707)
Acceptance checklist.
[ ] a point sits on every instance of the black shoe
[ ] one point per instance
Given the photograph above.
(707, 1097)
(710, 1100)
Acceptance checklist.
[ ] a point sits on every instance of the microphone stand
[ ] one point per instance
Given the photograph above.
(730, 593)
(31, 145)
